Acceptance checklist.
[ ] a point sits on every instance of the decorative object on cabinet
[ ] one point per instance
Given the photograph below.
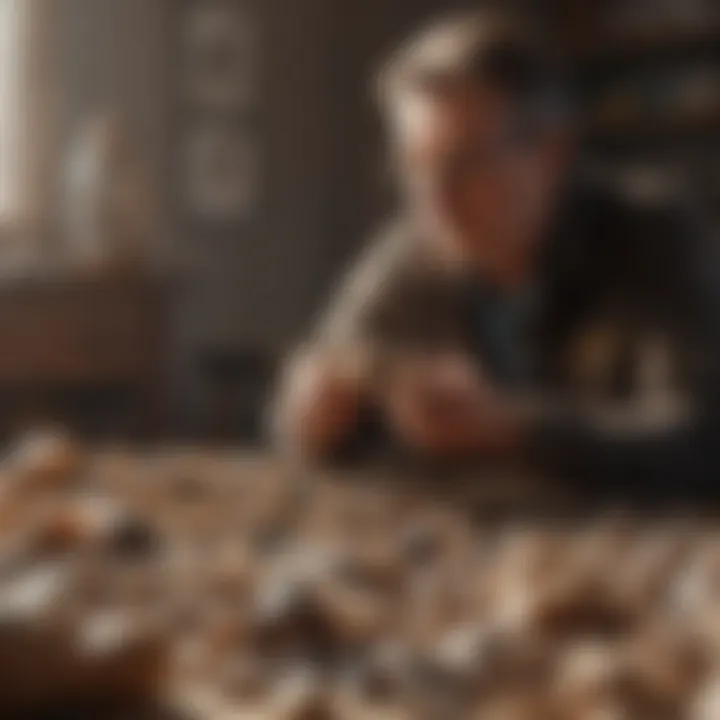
(110, 208)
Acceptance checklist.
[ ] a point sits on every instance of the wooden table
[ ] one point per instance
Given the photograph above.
(212, 532)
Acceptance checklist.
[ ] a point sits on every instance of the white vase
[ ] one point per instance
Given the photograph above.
(109, 208)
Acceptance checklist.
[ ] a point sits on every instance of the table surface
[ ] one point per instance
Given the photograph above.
(206, 532)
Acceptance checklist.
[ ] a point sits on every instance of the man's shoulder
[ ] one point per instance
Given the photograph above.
(394, 292)
(375, 274)
(396, 253)
(398, 243)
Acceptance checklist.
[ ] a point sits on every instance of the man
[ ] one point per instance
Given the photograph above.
(512, 307)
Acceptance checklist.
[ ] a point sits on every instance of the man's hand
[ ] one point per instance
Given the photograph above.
(320, 401)
(444, 407)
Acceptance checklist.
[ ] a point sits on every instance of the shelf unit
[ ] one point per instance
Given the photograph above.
(650, 93)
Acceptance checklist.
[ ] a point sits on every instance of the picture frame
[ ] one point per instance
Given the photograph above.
(222, 168)
(219, 39)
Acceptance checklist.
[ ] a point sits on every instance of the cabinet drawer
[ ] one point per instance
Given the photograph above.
(78, 333)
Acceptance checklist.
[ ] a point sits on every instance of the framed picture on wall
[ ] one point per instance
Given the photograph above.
(222, 171)
(220, 143)
(220, 54)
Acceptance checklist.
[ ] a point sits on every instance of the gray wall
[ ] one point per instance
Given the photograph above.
(111, 56)
(256, 284)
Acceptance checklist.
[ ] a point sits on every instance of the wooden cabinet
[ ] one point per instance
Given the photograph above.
(83, 336)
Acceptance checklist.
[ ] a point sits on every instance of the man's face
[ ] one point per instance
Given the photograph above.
(482, 187)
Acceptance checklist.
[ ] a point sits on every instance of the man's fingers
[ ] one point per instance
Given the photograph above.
(319, 404)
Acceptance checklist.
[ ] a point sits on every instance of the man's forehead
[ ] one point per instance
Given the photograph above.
(456, 111)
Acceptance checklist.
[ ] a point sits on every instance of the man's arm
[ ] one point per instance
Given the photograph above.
(319, 403)
(328, 385)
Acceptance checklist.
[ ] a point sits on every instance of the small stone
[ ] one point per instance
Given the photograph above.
(705, 705)
(188, 488)
(133, 537)
(301, 697)
(288, 617)
(383, 674)
(46, 458)
(420, 544)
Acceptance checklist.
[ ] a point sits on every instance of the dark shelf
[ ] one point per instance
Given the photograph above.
(619, 48)
(657, 128)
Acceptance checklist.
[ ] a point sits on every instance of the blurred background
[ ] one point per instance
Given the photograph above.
(181, 181)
